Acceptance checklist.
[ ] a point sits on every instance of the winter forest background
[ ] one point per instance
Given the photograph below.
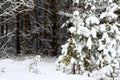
(80, 37)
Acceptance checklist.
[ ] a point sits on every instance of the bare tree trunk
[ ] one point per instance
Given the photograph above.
(45, 23)
(18, 35)
(36, 36)
(54, 27)
(26, 27)
(27, 23)
(6, 30)
(2, 27)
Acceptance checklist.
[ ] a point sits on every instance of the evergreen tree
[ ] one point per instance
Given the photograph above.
(93, 41)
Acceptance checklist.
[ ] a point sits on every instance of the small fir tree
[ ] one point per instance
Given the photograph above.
(94, 40)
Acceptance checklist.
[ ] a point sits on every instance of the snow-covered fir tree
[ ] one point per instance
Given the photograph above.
(94, 39)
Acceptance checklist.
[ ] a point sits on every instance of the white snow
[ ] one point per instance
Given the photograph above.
(110, 1)
(93, 8)
(105, 36)
(115, 28)
(38, 58)
(64, 48)
(116, 63)
(72, 29)
(83, 31)
(109, 15)
(113, 7)
(89, 43)
(92, 20)
(103, 71)
(73, 60)
(76, 13)
(102, 27)
(60, 58)
(19, 70)
(93, 32)
(79, 47)
(76, 1)
(110, 12)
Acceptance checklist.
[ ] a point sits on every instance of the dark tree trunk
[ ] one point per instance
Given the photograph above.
(27, 22)
(45, 23)
(2, 27)
(18, 35)
(6, 31)
(37, 35)
(54, 27)
(26, 29)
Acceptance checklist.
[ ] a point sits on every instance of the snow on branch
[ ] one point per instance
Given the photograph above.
(28, 3)
(9, 35)
(65, 14)
(11, 7)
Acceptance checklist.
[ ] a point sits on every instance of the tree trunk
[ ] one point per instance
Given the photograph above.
(2, 27)
(36, 36)
(45, 23)
(18, 35)
(27, 23)
(26, 29)
(6, 30)
(54, 27)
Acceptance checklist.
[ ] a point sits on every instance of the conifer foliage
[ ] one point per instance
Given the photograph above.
(94, 39)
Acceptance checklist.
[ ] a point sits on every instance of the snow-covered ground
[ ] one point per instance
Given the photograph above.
(19, 70)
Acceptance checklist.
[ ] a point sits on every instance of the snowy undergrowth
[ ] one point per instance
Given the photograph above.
(19, 70)
(33, 64)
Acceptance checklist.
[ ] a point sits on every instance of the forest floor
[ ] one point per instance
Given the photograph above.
(19, 70)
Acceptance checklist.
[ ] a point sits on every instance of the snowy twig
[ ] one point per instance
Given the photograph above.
(39, 24)
(65, 14)
(10, 35)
